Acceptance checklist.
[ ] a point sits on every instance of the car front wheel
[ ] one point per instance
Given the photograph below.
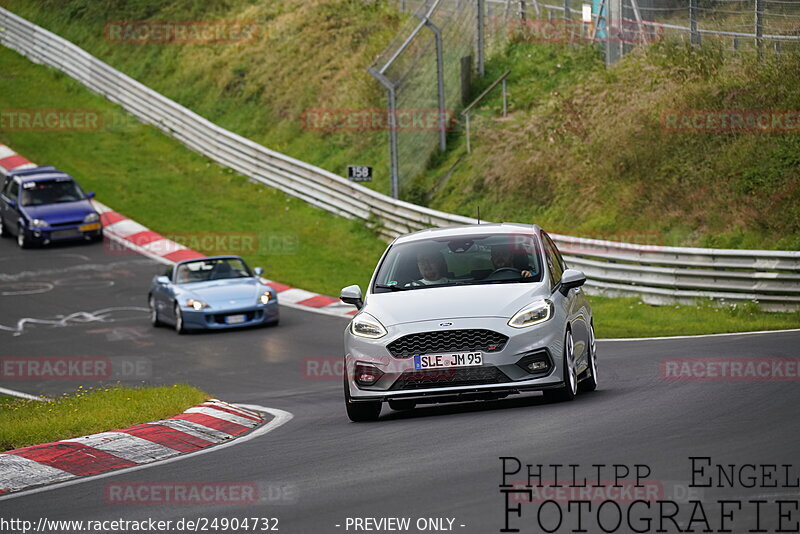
(22, 241)
(3, 229)
(179, 328)
(569, 386)
(360, 412)
(155, 320)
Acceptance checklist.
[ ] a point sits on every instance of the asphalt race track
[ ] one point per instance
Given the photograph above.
(319, 469)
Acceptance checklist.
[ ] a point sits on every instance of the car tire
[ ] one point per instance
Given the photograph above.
(590, 382)
(360, 412)
(22, 241)
(179, 327)
(402, 405)
(569, 386)
(3, 230)
(154, 319)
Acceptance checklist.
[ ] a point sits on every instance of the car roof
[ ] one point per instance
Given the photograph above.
(224, 257)
(469, 229)
(36, 174)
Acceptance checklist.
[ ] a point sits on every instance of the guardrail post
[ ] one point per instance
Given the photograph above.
(695, 36)
(760, 28)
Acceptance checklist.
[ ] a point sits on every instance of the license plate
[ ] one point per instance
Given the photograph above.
(444, 361)
(89, 227)
(65, 234)
(235, 319)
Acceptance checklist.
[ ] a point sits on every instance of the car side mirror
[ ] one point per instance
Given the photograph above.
(11, 204)
(571, 279)
(352, 295)
(162, 280)
(90, 195)
(258, 271)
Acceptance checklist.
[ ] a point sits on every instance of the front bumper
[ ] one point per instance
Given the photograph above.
(56, 234)
(499, 375)
(217, 319)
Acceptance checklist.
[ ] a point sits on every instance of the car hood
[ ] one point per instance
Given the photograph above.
(452, 302)
(61, 212)
(236, 291)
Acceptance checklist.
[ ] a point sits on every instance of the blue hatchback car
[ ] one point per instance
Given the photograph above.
(44, 205)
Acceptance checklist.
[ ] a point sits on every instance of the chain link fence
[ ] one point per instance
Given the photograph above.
(427, 69)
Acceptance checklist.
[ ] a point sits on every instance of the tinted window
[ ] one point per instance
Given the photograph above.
(461, 260)
(216, 269)
(11, 190)
(51, 192)
(555, 263)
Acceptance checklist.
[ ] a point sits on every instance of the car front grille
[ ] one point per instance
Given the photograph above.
(436, 378)
(67, 223)
(447, 341)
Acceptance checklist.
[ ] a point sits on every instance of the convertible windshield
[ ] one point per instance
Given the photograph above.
(462, 260)
(51, 192)
(218, 269)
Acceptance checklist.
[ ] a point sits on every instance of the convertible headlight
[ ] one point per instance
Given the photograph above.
(38, 223)
(538, 312)
(92, 217)
(265, 297)
(365, 325)
(196, 304)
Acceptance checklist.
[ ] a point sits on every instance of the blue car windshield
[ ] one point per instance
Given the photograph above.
(215, 269)
(461, 260)
(50, 192)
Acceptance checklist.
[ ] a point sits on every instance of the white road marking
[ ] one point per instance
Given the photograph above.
(281, 417)
(219, 414)
(195, 429)
(702, 335)
(99, 316)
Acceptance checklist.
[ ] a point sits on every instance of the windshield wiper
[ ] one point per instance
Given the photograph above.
(393, 287)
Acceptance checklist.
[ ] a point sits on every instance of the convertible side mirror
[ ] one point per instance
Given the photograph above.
(352, 295)
(162, 280)
(258, 271)
(571, 279)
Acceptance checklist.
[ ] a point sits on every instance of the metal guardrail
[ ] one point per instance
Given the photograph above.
(657, 274)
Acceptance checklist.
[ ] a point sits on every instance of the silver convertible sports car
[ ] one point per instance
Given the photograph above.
(468, 313)
(212, 293)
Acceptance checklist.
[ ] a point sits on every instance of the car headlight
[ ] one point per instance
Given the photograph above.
(92, 217)
(265, 297)
(535, 313)
(38, 223)
(196, 304)
(365, 325)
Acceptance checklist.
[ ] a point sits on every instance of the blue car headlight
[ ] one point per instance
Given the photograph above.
(265, 297)
(92, 217)
(197, 304)
(534, 313)
(38, 223)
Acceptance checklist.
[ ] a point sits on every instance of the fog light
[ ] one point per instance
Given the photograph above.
(537, 363)
(537, 366)
(367, 375)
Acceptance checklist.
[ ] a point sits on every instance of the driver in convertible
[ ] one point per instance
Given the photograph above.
(503, 258)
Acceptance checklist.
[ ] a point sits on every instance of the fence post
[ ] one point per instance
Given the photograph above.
(521, 9)
(392, 115)
(567, 12)
(693, 22)
(760, 27)
(505, 99)
(439, 83)
(481, 37)
(469, 148)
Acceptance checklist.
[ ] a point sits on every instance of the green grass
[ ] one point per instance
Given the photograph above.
(630, 317)
(30, 422)
(152, 178)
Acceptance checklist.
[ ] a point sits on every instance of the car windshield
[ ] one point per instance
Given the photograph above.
(461, 260)
(51, 192)
(216, 269)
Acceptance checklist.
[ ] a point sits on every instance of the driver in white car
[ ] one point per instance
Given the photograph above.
(432, 267)
(503, 258)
